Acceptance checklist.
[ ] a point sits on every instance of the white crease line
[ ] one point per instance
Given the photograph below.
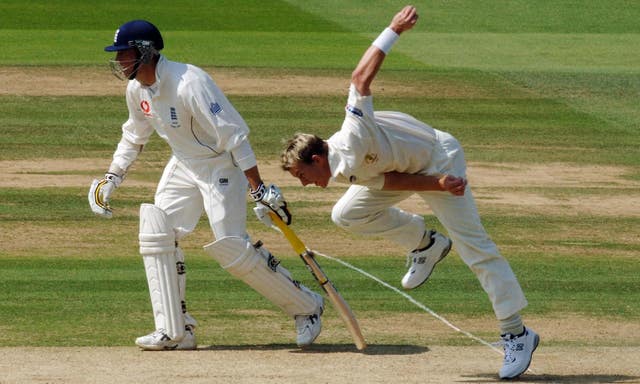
(417, 303)
(411, 299)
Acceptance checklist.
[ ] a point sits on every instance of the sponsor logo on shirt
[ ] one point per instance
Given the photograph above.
(215, 108)
(354, 110)
(146, 108)
(174, 118)
(223, 181)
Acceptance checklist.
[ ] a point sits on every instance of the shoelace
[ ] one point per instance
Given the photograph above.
(160, 333)
(306, 322)
(410, 255)
(509, 348)
(409, 260)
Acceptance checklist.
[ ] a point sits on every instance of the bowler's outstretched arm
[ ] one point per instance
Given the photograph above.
(370, 63)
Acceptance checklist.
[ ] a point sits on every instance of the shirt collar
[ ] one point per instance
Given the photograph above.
(154, 89)
(334, 161)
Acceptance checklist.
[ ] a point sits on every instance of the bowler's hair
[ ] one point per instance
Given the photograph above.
(301, 147)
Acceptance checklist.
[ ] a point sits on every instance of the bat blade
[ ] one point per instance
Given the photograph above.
(332, 293)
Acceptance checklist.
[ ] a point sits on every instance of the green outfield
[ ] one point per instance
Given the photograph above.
(522, 84)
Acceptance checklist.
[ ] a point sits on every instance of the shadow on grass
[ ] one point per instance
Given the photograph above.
(533, 378)
(372, 349)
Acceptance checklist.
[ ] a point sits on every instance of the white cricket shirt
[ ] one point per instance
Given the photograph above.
(372, 143)
(188, 110)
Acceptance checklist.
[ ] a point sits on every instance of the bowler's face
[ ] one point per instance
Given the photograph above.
(317, 172)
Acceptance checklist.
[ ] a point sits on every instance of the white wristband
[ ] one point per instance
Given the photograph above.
(386, 39)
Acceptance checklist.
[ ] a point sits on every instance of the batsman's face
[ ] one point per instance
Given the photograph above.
(126, 60)
(318, 172)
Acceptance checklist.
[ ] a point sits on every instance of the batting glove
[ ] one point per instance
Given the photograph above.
(100, 194)
(262, 213)
(272, 198)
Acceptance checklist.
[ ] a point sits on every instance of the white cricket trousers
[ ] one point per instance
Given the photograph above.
(214, 185)
(371, 212)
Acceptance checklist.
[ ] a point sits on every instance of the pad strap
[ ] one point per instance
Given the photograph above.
(262, 271)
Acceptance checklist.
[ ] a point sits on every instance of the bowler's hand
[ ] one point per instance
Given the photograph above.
(404, 20)
(453, 185)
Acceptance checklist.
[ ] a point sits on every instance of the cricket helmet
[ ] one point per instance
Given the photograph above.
(140, 34)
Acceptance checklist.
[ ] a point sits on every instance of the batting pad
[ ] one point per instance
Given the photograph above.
(158, 247)
(262, 272)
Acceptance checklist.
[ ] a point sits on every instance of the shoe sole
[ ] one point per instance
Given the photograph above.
(537, 340)
(155, 348)
(445, 252)
(176, 347)
(167, 348)
(304, 346)
(307, 345)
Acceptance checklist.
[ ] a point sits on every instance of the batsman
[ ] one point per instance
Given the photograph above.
(212, 166)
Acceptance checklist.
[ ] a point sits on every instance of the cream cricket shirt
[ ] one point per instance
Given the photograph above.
(372, 143)
(188, 110)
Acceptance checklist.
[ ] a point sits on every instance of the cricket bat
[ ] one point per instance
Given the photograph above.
(334, 296)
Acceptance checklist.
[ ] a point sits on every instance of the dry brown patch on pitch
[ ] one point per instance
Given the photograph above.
(59, 81)
(495, 185)
(424, 328)
(551, 175)
(496, 182)
(98, 81)
(41, 173)
(402, 348)
(92, 81)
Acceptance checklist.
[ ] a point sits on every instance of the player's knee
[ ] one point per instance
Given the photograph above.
(352, 219)
(254, 265)
(339, 217)
(156, 234)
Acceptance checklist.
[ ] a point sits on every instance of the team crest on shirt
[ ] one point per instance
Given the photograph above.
(371, 158)
(174, 118)
(354, 110)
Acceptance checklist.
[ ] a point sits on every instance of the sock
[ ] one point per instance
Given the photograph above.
(512, 324)
(425, 242)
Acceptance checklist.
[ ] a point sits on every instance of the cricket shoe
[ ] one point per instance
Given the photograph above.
(518, 351)
(424, 260)
(160, 341)
(308, 327)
